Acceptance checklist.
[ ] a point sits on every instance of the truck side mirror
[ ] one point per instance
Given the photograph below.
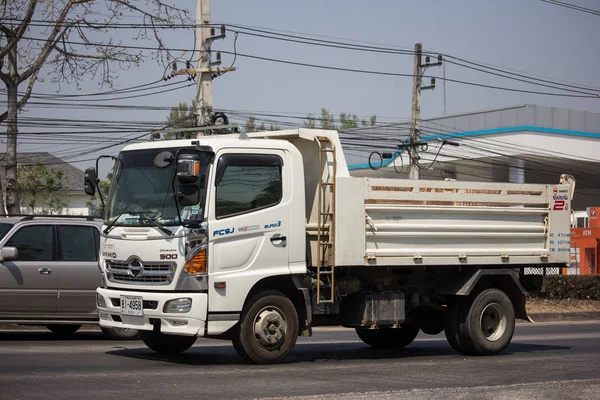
(8, 253)
(90, 181)
(188, 169)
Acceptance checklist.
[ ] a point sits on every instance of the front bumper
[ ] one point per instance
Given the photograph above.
(189, 324)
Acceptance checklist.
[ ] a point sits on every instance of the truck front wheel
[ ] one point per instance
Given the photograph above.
(268, 329)
(167, 344)
(388, 338)
(489, 324)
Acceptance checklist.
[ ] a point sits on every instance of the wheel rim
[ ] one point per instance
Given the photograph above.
(493, 322)
(270, 327)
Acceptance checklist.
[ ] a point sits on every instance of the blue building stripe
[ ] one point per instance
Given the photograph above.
(483, 132)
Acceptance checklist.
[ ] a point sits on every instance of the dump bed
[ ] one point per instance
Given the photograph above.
(419, 222)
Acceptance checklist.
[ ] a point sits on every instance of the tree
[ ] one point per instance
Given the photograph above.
(95, 207)
(182, 116)
(69, 38)
(42, 187)
(348, 121)
(251, 126)
(326, 121)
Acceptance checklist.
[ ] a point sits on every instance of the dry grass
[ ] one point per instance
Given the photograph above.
(537, 305)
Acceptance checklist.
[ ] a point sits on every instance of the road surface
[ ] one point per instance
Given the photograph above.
(551, 360)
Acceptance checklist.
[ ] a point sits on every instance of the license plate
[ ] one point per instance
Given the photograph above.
(132, 305)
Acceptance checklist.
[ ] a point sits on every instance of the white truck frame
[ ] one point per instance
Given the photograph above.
(388, 257)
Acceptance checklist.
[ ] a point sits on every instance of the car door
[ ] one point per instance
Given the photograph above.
(28, 284)
(79, 276)
(248, 225)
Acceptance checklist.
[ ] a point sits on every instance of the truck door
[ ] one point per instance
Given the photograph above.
(248, 225)
(78, 265)
(28, 284)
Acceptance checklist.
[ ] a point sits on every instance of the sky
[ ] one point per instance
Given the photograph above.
(531, 36)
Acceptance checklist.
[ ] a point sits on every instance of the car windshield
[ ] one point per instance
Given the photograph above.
(4, 228)
(140, 188)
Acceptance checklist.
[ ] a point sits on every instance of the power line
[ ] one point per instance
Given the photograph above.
(572, 6)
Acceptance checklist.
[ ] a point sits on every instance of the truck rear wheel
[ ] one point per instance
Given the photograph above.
(167, 344)
(489, 324)
(388, 338)
(268, 329)
(452, 325)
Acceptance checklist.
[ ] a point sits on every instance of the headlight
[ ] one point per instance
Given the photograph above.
(196, 264)
(178, 306)
(100, 302)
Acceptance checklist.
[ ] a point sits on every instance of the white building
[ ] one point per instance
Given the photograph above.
(73, 194)
(521, 144)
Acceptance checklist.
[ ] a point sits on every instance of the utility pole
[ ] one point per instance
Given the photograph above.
(415, 126)
(415, 123)
(205, 68)
(202, 47)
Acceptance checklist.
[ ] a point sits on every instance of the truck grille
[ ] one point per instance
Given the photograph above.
(136, 272)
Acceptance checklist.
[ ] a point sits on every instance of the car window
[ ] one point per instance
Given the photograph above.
(33, 243)
(4, 228)
(77, 243)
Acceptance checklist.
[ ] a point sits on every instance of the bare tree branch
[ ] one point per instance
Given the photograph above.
(53, 37)
(14, 37)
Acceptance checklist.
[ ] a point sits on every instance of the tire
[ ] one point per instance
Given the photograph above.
(489, 324)
(388, 338)
(121, 333)
(268, 329)
(167, 344)
(452, 325)
(63, 330)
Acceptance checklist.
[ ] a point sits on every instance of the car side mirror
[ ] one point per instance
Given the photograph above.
(8, 253)
(90, 181)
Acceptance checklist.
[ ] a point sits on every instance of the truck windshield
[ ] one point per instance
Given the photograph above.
(140, 188)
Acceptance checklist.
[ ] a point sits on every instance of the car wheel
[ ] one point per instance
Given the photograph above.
(63, 330)
(167, 344)
(268, 329)
(388, 338)
(121, 333)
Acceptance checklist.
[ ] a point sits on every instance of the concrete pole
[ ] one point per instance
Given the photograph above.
(204, 81)
(415, 125)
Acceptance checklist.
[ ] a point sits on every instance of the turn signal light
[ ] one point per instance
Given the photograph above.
(197, 264)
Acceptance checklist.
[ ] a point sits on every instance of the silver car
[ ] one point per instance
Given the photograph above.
(49, 273)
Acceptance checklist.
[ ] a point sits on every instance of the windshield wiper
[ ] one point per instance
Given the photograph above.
(142, 217)
(156, 224)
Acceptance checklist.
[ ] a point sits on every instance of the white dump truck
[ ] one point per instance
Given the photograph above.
(257, 238)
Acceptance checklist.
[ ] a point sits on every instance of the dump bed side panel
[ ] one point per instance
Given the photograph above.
(471, 223)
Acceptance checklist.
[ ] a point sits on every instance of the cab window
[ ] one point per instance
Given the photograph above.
(247, 182)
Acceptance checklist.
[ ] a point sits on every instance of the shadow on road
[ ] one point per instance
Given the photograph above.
(43, 335)
(306, 352)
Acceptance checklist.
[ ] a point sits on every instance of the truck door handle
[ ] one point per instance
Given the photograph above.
(278, 238)
(45, 271)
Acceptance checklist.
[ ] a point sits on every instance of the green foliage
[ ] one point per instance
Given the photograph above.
(561, 287)
(251, 126)
(347, 121)
(94, 205)
(41, 188)
(181, 116)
